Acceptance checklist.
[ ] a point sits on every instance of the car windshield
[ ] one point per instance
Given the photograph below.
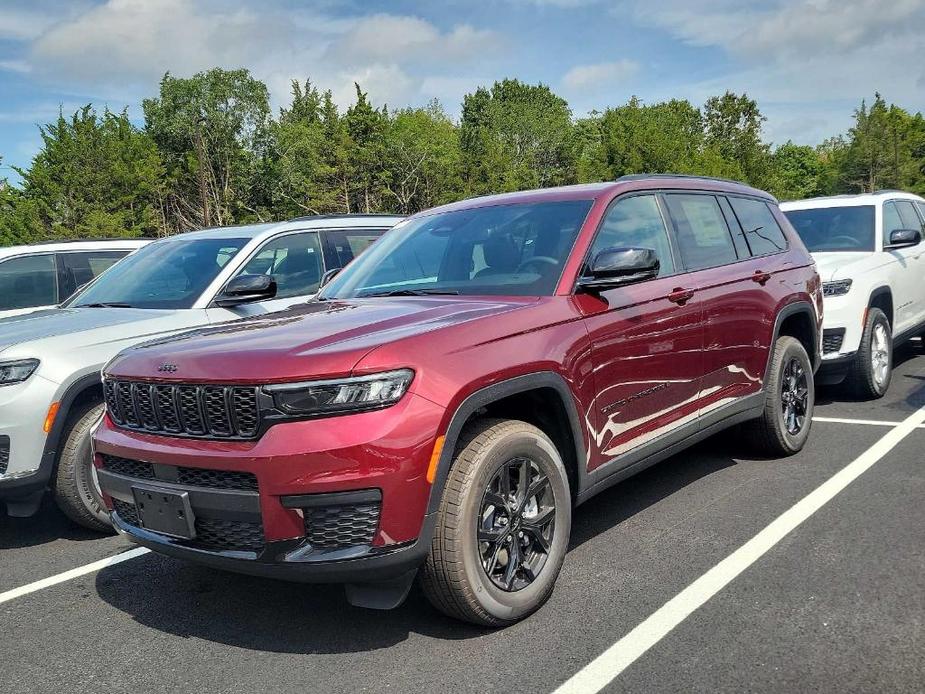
(835, 229)
(168, 274)
(502, 250)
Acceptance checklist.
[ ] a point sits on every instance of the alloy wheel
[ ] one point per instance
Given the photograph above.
(880, 354)
(516, 524)
(794, 396)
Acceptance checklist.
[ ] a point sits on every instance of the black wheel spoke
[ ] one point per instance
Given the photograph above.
(513, 563)
(493, 534)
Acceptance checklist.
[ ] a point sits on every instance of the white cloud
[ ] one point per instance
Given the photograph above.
(20, 66)
(600, 74)
(20, 24)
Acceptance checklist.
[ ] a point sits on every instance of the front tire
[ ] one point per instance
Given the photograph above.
(784, 425)
(75, 487)
(503, 525)
(872, 369)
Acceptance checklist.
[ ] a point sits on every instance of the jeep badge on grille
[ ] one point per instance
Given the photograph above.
(167, 368)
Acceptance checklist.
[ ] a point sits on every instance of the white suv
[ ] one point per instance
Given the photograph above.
(51, 393)
(45, 274)
(869, 252)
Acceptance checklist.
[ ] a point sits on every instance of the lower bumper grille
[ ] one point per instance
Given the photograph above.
(4, 453)
(342, 526)
(832, 340)
(190, 476)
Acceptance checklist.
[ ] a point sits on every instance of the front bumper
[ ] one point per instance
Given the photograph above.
(335, 499)
(843, 322)
(23, 408)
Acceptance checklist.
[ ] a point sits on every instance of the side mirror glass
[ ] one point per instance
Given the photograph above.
(902, 238)
(615, 267)
(247, 289)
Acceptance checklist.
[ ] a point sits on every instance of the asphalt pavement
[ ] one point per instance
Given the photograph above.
(837, 605)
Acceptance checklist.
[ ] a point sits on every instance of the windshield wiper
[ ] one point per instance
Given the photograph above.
(411, 292)
(108, 304)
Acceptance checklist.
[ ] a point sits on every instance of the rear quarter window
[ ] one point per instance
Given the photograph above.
(703, 236)
(762, 232)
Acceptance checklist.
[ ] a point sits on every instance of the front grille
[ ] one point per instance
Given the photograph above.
(342, 526)
(126, 511)
(220, 412)
(211, 533)
(189, 476)
(4, 453)
(832, 340)
(217, 534)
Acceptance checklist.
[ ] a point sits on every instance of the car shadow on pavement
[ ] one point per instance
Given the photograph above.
(266, 615)
(48, 525)
(839, 392)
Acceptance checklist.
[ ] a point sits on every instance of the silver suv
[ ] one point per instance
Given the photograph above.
(50, 389)
(45, 274)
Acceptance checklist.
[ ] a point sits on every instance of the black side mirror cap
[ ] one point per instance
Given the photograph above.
(616, 267)
(903, 238)
(247, 289)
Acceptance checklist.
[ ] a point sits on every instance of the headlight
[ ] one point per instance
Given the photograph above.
(836, 288)
(17, 371)
(341, 395)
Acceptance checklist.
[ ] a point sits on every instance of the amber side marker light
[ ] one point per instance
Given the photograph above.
(434, 459)
(50, 417)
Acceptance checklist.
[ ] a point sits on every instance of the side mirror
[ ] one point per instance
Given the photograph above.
(246, 289)
(615, 267)
(903, 238)
(329, 275)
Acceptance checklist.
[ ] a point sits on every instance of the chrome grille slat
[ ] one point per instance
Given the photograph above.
(202, 411)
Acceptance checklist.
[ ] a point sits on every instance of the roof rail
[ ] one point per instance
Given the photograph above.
(90, 240)
(642, 177)
(890, 190)
(309, 217)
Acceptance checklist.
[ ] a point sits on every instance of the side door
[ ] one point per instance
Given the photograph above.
(716, 251)
(80, 267)
(294, 260)
(903, 271)
(28, 282)
(646, 338)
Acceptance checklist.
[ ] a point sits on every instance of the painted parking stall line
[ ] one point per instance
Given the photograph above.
(606, 667)
(72, 574)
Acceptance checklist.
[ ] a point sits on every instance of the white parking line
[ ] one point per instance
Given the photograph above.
(606, 667)
(840, 420)
(73, 573)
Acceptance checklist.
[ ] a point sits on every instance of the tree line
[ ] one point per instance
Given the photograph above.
(210, 152)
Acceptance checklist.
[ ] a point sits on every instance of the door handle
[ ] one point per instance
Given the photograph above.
(761, 277)
(681, 296)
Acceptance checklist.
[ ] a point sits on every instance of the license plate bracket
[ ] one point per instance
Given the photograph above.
(165, 511)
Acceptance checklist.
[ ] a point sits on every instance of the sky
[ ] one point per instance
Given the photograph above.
(807, 62)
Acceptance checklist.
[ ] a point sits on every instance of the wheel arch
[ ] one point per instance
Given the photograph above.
(882, 297)
(503, 399)
(87, 388)
(797, 320)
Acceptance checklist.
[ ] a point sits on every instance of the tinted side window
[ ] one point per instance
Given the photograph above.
(635, 222)
(738, 236)
(891, 221)
(762, 231)
(345, 245)
(703, 237)
(908, 215)
(76, 269)
(921, 208)
(28, 281)
(294, 261)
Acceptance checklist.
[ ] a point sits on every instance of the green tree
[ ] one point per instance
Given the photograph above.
(732, 128)
(212, 130)
(590, 153)
(798, 171)
(94, 176)
(421, 157)
(516, 136)
(366, 128)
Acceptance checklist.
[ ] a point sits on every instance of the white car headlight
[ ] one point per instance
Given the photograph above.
(17, 371)
(836, 287)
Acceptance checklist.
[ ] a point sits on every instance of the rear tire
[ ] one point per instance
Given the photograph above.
(75, 487)
(872, 369)
(784, 425)
(497, 550)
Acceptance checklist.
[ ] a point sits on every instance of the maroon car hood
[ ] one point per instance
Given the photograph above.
(312, 340)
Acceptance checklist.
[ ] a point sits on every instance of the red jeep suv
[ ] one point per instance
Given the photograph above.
(452, 395)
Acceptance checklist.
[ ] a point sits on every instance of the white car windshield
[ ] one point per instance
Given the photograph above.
(169, 274)
(835, 229)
